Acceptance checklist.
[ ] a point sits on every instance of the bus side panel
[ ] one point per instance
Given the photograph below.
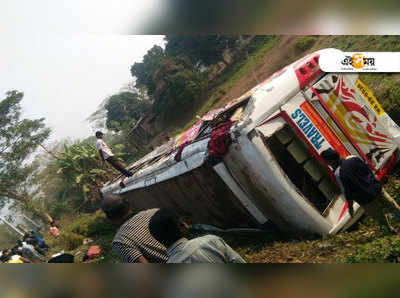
(199, 196)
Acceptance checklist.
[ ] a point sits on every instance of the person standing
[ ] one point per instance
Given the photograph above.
(358, 183)
(171, 231)
(107, 155)
(133, 242)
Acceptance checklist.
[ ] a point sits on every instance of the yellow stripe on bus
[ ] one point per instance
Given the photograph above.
(369, 98)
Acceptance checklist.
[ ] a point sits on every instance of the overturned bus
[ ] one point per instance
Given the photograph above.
(258, 158)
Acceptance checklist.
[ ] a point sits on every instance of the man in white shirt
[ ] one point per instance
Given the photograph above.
(106, 154)
(170, 231)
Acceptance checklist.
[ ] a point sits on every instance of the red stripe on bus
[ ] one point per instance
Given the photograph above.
(345, 207)
(389, 165)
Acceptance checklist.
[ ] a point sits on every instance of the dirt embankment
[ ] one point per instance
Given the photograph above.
(283, 53)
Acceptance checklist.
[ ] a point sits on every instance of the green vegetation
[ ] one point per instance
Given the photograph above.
(124, 107)
(306, 42)
(18, 139)
(172, 82)
(245, 64)
(359, 244)
(74, 229)
(371, 43)
(382, 250)
(79, 166)
(179, 85)
(186, 79)
(71, 176)
(202, 49)
(144, 71)
(7, 237)
(386, 88)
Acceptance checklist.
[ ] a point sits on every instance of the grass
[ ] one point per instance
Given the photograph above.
(306, 42)
(74, 230)
(358, 245)
(386, 88)
(371, 43)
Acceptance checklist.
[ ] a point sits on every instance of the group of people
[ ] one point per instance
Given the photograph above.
(29, 249)
(156, 235)
(159, 235)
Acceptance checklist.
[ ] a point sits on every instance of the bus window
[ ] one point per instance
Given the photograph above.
(303, 170)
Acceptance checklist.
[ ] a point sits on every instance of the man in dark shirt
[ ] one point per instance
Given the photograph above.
(133, 242)
(358, 183)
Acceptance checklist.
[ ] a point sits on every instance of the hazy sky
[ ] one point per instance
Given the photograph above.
(68, 58)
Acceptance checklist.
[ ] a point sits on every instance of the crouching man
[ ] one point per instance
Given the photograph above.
(133, 242)
(171, 231)
(358, 183)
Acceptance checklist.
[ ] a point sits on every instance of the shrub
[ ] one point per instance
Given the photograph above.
(91, 225)
(69, 240)
(305, 43)
(386, 88)
(383, 250)
(100, 225)
(257, 42)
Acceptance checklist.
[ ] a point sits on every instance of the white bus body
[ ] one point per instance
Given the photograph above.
(273, 169)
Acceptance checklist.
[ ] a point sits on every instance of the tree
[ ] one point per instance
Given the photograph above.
(70, 177)
(59, 194)
(144, 71)
(201, 49)
(82, 171)
(18, 139)
(123, 107)
(178, 85)
(116, 111)
(170, 81)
